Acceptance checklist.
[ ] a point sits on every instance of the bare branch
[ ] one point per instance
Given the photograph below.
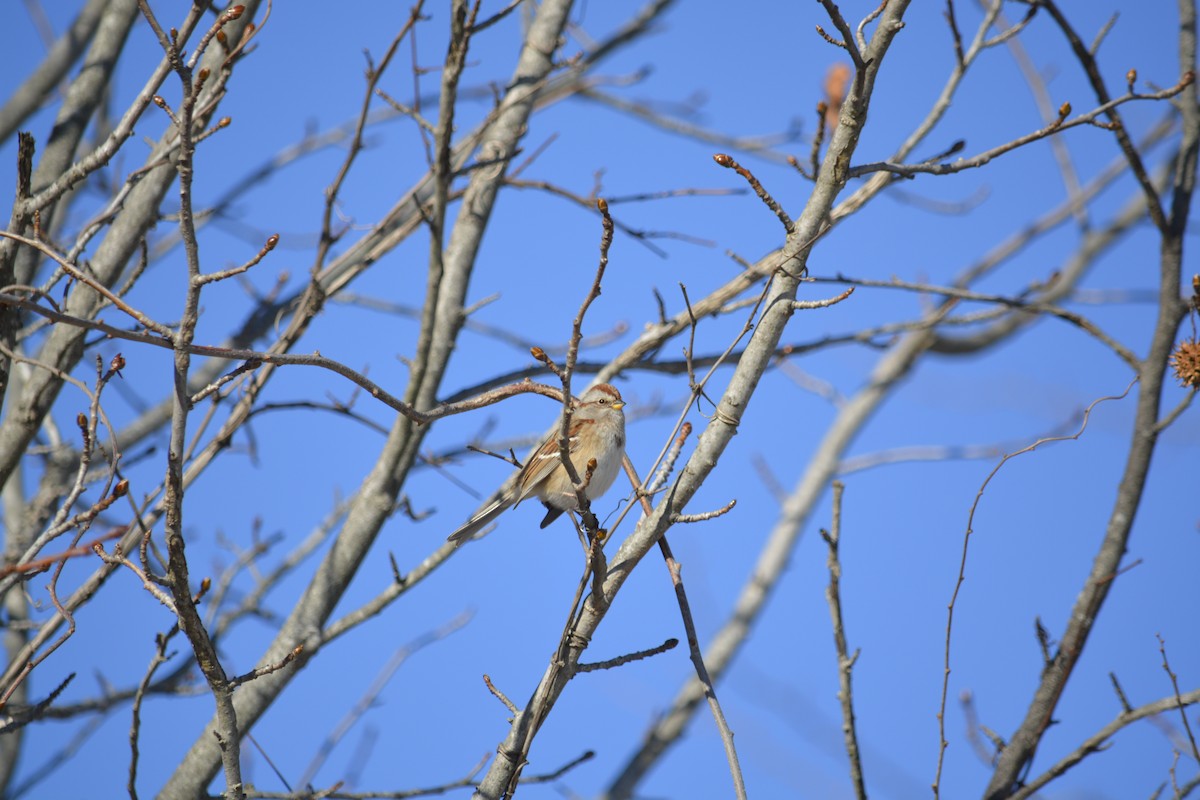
(612, 663)
(833, 594)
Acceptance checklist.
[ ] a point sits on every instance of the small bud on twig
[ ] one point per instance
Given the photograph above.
(1064, 111)
(121, 489)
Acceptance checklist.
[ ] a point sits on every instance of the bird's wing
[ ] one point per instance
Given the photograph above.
(543, 461)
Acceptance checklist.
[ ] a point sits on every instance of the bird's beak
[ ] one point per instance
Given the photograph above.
(619, 404)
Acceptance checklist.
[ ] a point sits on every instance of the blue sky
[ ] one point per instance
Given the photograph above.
(754, 70)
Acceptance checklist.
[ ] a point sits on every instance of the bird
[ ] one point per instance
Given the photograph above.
(597, 431)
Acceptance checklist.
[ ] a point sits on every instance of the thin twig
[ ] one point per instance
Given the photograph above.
(833, 595)
(704, 516)
(728, 162)
(1055, 126)
(499, 695)
(962, 567)
(1187, 726)
(160, 657)
(611, 663)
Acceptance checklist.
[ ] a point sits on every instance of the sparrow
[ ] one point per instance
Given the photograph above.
(597, 431)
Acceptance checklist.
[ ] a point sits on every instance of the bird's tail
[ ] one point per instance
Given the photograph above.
(480, 521)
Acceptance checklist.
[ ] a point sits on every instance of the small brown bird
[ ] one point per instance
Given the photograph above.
(597, 431)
